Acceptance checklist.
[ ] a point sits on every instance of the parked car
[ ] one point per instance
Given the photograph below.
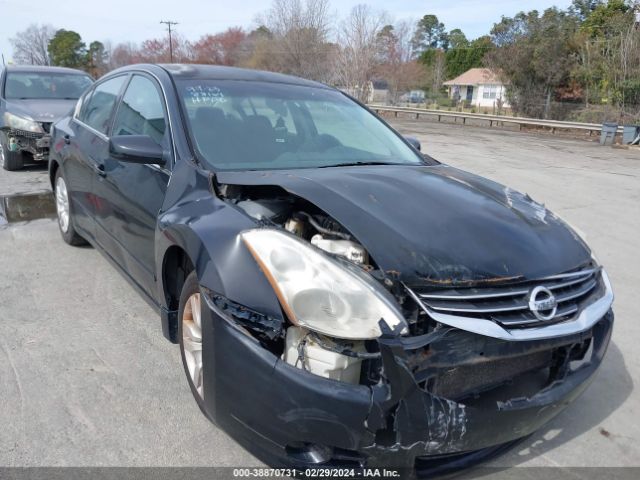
(31, 99)
(340, 300)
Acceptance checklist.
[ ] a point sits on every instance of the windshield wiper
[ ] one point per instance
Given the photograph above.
(357, 164)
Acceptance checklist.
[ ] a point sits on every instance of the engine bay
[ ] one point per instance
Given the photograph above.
(351, 361)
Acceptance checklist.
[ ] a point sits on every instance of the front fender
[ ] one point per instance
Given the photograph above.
(207, 229)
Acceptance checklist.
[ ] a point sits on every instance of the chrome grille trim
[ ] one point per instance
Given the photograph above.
(488, 309)
(576, 277)
(493, 302)
(571, 274)
(562, 312)
(587, 316)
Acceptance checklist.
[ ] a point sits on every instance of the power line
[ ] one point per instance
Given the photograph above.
(169, 24)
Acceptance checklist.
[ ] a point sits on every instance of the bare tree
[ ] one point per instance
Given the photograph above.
(300, 31)
(122, 54)
(396, 58)
(358, 50)
(30, 45)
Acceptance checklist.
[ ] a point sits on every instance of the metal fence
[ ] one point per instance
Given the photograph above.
(492, 120)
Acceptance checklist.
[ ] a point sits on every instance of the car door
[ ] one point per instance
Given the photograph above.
(131, 194)
(85, 143)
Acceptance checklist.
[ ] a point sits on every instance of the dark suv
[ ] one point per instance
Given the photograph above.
(31, 99)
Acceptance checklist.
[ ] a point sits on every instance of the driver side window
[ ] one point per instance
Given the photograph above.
(97, 110)
(141, 111)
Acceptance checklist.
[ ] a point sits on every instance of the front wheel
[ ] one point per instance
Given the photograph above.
(10, 161)
(190, 337)
(65, 213)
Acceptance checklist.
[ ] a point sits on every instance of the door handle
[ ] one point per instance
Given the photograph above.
(99, 169)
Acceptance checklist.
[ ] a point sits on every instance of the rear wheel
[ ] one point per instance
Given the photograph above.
(65, 213)
(10, 160)
(190, 336)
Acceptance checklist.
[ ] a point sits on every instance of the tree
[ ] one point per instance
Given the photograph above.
(457, 39)
(300, 32)
(609, 57)
(358, 42)
(260, 45)
(430, 33)
(30, 45)
(583, 8)
(96, 62)
(435, 62)
(66, 49)
(220, 49)
(156, 50)
(606, 19)
(535, 56)
(123, 54)
(396, 62)
(460, 59)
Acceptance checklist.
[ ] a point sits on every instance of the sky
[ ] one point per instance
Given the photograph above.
(137, 20)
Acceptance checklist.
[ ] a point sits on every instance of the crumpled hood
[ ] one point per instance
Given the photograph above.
(435, 224)
(41, 110)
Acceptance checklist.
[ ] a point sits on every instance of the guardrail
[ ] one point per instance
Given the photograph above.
(494, 119)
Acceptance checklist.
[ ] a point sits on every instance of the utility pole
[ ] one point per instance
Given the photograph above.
(169, 24)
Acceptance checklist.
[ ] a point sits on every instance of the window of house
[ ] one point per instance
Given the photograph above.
(490, 92)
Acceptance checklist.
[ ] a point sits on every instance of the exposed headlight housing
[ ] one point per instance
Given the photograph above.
(20, 123)
(318, 292)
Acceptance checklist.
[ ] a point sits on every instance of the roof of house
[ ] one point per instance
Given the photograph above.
(475, 76)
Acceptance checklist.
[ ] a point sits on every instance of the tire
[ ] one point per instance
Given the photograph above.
(65, 213)
(10, 161)
(189, 332)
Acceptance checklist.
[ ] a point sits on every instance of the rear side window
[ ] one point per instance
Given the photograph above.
(141, 111)
(97, 110)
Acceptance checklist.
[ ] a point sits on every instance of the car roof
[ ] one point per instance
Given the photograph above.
(218, 72)
(43, 69)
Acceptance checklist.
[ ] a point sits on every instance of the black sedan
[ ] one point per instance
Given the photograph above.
(31, 99)
(340, 299)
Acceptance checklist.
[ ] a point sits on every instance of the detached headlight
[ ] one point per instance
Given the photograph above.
(318, 292)
(21, 123)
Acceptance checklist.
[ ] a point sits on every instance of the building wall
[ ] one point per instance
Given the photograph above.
(479, 91)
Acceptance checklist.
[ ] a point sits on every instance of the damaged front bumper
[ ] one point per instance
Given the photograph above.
(438, 400)
(37, 144)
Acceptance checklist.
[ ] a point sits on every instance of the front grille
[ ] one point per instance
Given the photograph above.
(481, 375)
(14, 132)
(509, 305)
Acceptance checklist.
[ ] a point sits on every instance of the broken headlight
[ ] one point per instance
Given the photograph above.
(319, 292)
(21, 123)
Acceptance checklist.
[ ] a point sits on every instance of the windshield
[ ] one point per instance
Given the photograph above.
(252, 125)
(40, 85)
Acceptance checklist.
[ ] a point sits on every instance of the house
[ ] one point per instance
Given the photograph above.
(479, 87)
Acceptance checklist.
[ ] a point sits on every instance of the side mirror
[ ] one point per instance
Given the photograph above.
(415, 143)
(136, 149)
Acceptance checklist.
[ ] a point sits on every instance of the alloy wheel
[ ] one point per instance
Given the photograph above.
(192, 341)
(62, 204)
